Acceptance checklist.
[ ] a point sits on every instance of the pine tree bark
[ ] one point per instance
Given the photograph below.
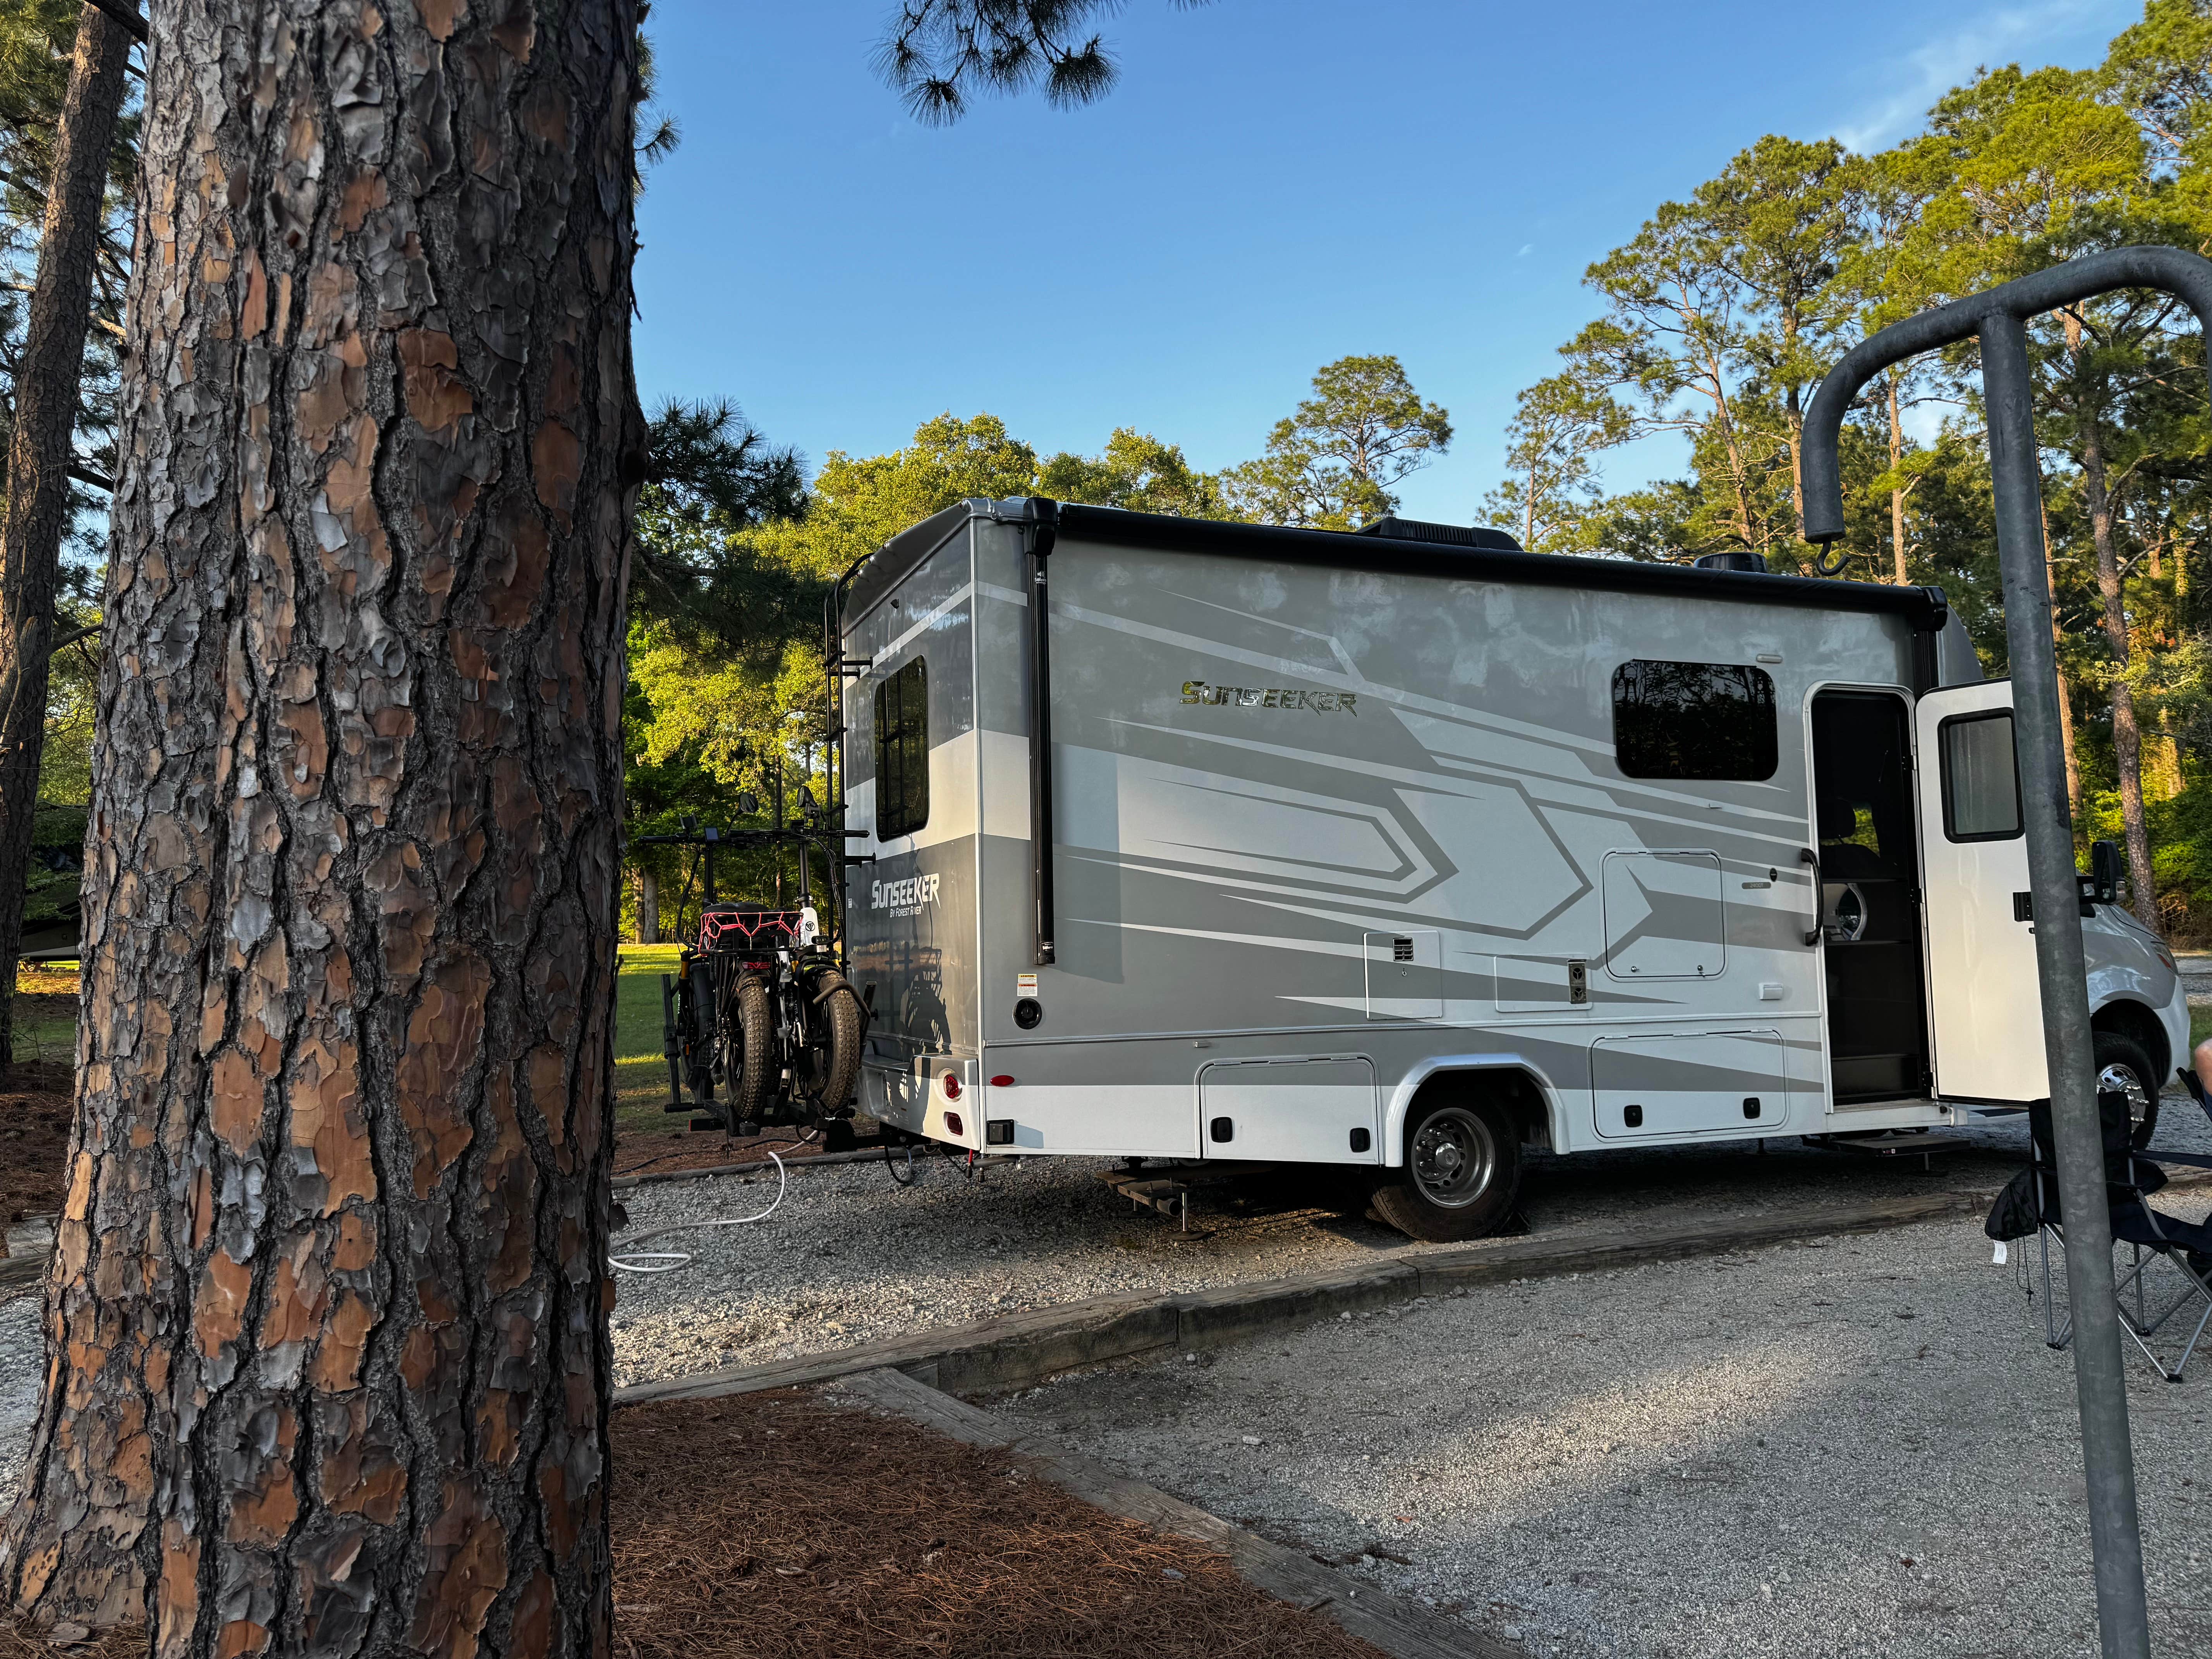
(38, 453)
(329, 1372)
(648, 908)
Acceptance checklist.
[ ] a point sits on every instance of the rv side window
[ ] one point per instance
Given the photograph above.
(1693, 720)
(902, 752)
(1981, 779)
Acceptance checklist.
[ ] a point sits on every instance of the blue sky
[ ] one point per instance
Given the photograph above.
(1274, 184)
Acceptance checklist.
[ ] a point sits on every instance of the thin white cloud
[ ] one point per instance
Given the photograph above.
(1922, 75)
(1526, 248)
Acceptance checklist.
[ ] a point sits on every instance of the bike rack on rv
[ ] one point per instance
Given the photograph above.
(759, 1024)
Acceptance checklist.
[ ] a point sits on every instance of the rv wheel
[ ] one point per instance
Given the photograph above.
(2122, 1065)
(1461, 1174)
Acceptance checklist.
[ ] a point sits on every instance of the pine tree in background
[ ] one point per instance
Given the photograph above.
(43, 463)
(1331, 464)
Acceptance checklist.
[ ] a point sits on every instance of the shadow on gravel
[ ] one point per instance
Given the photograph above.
(1854, 1446)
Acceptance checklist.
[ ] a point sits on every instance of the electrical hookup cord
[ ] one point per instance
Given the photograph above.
(632, 1260)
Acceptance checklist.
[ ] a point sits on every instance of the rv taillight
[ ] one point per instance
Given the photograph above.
(952, 1124)
(1002, 1082)
(951, 1086)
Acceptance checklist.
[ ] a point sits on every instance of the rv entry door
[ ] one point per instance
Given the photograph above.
(1984, 1001)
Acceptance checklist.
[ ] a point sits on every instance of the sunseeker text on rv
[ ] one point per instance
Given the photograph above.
(902, 898)
(1272, 697)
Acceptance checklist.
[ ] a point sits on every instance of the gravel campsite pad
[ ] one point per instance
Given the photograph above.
(1855, 1446)
(849, 1257)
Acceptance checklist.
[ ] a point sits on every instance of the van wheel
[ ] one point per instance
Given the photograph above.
(2123, 1065)
(1461, 1174)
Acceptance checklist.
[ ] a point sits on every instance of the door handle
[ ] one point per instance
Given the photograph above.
(1806, 855)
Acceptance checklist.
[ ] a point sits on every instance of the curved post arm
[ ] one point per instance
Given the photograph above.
(2187, 276)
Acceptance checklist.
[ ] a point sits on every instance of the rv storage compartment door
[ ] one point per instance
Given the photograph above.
(1700, 1082)
(1983, 998)
(1293, 1111)
(1664, 915)
(1404, 975)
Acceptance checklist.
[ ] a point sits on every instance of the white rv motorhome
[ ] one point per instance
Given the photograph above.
(1407, 850)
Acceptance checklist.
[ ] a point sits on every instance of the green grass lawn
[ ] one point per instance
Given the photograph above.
(2200, 1026)
(640, 1068)
(45, 1012)
(47, 1029)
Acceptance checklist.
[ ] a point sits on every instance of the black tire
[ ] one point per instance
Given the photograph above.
(1461, 1174)
(827, 1071)
(749, 1064)
(695, 1022)
(2121, 1064)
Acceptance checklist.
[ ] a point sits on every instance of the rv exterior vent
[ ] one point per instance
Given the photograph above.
(1420, 530)
(1736, 558)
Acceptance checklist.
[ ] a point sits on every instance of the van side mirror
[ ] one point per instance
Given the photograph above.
(2104, 868)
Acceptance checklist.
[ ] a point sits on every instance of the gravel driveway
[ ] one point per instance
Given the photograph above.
(1854, 1447)
(851, 1258)
(22, 1354)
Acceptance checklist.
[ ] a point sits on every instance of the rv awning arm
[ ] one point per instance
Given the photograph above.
(1044, 534)
(1999, 319)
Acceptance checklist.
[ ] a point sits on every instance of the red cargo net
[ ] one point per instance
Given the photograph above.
(739, 927)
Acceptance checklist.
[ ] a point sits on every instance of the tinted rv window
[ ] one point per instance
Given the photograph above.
(902, 752)
(1693, 720)
(1981, 782)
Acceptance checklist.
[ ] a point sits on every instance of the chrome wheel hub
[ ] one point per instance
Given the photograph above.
(2124, 1078)
(1454, 1158)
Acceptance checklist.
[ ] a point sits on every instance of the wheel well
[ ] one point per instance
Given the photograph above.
(2137, 1023)
(1511, 1086)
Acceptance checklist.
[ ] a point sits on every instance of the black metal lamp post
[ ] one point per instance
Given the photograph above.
(1999, 319)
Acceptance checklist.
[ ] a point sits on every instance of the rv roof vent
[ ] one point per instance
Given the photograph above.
(1735, 558)
(1420, 530)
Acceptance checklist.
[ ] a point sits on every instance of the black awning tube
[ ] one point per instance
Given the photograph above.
(1044, 531)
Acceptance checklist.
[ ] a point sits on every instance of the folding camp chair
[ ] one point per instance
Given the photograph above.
(2183, 1249)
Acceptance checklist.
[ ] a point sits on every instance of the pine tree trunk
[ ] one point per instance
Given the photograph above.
(39, 450)
(2065, 690)
(2127, 737)
(329, 1369)
(1896, 494)
(1795, 427)
(648, 908)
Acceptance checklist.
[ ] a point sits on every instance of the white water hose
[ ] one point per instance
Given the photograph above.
(636, 1261)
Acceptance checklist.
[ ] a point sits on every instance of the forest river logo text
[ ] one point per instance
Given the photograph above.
(902, 898)
(1272, 696)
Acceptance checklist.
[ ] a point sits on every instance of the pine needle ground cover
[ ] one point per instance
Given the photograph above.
(778, 1526)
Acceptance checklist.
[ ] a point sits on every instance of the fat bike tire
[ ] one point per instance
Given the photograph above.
(749, 1066)
(835, 1020)
(695, 1018)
